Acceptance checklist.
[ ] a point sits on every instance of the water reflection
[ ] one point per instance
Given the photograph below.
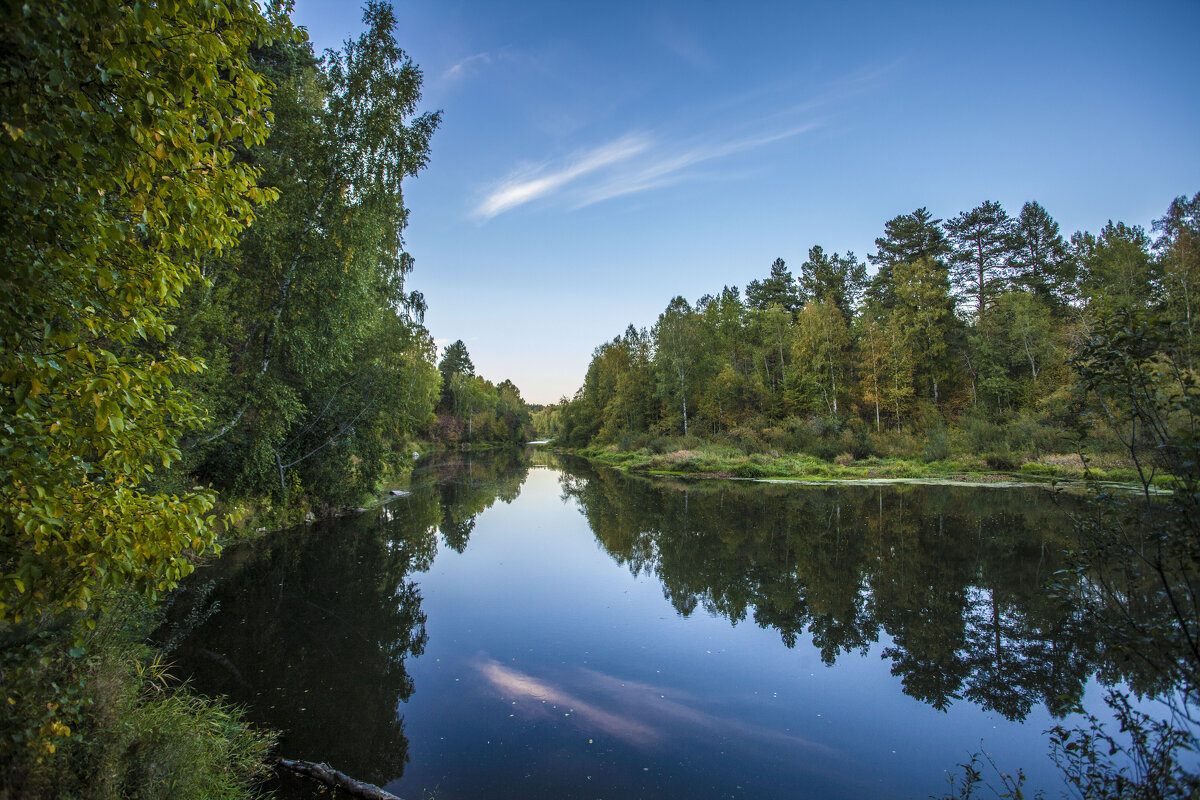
(640, 714)
(955, 577)
(538, 645)
(313, 626)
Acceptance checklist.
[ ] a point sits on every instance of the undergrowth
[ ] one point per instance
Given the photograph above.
(96, 715)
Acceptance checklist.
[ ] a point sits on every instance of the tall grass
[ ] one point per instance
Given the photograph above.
(122, 726)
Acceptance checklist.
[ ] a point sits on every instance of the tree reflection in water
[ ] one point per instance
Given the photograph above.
(955, 577)
(312, 627)
(949, 584)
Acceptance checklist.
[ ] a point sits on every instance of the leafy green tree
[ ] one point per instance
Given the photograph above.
(301, 312)
(1027, 320)
(1178, 250)
(771, 332)
(737, 389)
(1116, 268)
(456, 361)
(924, 316)
(822, 340)
(885, 369)
(632, 406)
(872, 366)
(900, 366)
(513, 418)
(122, 126)
(1012, 346)
(676, 348)
(981, 238)
(833, 278)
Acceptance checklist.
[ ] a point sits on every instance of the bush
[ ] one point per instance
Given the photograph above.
(659, 445)
(983, 435)
(749, 469)
(118, 725)
(1001, 459)
(747, 440)
(937, 444)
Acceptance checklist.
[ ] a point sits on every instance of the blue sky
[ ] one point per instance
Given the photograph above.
(594, 160)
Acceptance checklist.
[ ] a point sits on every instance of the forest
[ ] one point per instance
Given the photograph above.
(964, 341)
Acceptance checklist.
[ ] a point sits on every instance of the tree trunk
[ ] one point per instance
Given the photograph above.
(338, 780)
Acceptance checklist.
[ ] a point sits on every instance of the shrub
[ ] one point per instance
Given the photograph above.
(1001, 459)
(749, 469)
(937, 444)
(121, 726)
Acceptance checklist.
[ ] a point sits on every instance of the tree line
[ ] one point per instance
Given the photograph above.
(973, 321)
(472, 409)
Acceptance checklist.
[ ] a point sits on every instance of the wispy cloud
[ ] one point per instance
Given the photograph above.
(634, 163)
(641, 162)
(532, 183)
(669, 166)
(460, 69)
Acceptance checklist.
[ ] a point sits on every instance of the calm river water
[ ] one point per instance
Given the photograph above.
(522, 626)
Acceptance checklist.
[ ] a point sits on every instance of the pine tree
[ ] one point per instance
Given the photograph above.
(981, 238)
(906, 238)
(1038, 259)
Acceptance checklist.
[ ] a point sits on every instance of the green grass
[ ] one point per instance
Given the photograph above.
(97, 716)
(724, 461)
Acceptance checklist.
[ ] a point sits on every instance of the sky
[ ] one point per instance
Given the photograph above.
(597, 159)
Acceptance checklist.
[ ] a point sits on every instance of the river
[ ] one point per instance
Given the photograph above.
(526, 626)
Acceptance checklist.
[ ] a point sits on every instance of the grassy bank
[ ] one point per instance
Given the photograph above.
(95, 713)
(722, 461)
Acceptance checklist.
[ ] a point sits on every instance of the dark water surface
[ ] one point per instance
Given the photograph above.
(526, 627)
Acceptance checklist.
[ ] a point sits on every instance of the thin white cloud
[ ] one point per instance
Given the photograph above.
(633, 164)
(668, 167)
(460, 69)
(534, 183)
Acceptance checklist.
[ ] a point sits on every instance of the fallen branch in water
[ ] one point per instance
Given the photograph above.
(340, 780)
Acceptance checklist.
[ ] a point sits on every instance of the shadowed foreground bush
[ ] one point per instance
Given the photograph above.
(120, 727)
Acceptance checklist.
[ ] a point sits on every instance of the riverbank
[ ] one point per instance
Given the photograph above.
(718, 461)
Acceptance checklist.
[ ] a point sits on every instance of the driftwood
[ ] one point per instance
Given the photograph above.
(340, 780)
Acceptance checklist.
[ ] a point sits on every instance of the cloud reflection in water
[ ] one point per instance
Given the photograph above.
(636, 713)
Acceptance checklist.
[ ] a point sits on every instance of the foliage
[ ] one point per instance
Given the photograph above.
(977, 321)
(906, 238)
(1038, 258)
(104, 719)
(1135, 565)
(777, 289)
(320, 367)
(1144, 554)
(122, 123)
(1146, 760)
(982, 241)
(473, 410)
